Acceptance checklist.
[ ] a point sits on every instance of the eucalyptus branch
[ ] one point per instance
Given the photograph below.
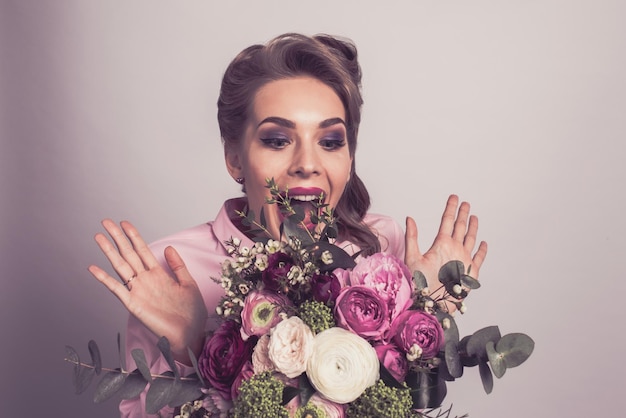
(125, 372)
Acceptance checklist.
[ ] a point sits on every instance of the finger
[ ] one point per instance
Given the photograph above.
(178, 267)
(117, 288)
(123, 269)
(141, 248)
(411, 247)
(460, 225)
(480, 255)
(472, 231)
(449, 214)
(124, 246)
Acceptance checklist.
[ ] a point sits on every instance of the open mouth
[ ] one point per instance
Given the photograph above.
(307, 200)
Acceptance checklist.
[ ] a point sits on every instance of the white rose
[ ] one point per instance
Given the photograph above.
(290, 346)
(342, 365)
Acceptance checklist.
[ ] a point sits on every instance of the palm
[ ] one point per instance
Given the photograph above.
(454, 241)
(167, 306)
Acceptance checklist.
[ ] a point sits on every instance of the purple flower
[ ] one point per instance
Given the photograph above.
(363, 311)
(275, 275)
(389, 276)
(393, 359)
(223, 357)
(417, 328)
(325, 287)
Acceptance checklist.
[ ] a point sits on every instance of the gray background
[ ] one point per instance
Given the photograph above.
(108, 110)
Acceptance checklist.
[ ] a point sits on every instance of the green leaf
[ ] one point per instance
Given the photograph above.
(133, 385)
(515, 348)
(164, 346)
(476, 344)
(160, 393)
(72, 356)
(96, 360)
(427, 389)
(142, 364)
(495, 359)
(290, 392)
(469, 282)
(262, 219)
(452, 332)
(121, 355)
(306, 389)
(186, 391)
(388, 379)
(108, 386)
(453, 359)
(451, 272)
(485, 376)
(419, 280)
(293, 229)
(298, 215)
(83, 380)
(341, 259)
(194, 363)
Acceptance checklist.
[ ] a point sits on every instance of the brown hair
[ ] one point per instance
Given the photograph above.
(331, 60)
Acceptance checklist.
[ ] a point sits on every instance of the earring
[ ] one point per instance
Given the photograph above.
(240, 180)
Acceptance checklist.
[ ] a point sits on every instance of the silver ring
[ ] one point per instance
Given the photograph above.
(126, 283)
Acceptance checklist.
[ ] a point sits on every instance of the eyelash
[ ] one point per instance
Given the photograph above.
(280, 143)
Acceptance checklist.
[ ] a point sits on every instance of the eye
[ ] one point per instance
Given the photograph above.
(332, 144)
(275, 142)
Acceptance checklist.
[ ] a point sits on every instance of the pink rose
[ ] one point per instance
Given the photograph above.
(290, 346)
(223, 357)
(261, 311)
(362, 310)
(331, 409)
(393, 359)
(420, 328)
(389, 276)
(260, 359)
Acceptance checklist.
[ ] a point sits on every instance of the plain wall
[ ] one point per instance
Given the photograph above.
(108, 110)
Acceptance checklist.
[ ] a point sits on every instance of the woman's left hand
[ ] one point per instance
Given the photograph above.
(455, 240)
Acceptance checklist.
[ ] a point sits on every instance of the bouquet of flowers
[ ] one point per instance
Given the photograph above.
(310, 331)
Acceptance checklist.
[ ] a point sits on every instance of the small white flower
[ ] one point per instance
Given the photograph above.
(414, 353)
(244, 288)
(272, 246)
(327, 257)
(295, 275)
(445, 324)
(425, 291)
(261, 262)
(429, 303)
(463, 308)
(236, 242)
(218, 310)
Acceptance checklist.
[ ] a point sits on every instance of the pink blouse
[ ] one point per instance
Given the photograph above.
(203, 250)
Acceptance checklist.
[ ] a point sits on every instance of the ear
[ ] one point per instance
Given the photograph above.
(233, 161)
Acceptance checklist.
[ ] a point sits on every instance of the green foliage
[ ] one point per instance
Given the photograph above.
(165, 389)
(381, 400)
(260, 396)
(316, 315)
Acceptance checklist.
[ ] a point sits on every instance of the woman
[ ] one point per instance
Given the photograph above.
(288, 110)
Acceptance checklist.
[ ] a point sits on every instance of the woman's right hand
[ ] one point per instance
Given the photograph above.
(168, 306)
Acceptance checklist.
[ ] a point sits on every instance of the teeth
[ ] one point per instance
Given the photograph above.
(305, 198)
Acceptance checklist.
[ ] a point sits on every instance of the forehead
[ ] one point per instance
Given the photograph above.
(299, 99)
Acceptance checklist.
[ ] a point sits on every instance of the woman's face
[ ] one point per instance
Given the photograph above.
(297, 135)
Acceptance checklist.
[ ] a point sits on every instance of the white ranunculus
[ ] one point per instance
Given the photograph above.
(290, 346)
(342, 365)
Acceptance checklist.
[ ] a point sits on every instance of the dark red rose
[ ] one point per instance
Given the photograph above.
(275, 275)
(223, 357)
(362, 310)
(393, 359)
(325, 287)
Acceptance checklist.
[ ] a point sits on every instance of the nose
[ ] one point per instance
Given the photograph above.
(306, 161)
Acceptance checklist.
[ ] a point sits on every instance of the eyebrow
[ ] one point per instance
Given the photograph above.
(286, 123)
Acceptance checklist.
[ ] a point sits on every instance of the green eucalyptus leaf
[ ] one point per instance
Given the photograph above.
(71, 355)
(451, 272)
(515, 348)
(164, 345)
(262, 219)
(187, 390)
(485, 376)
(83, 380)
(496, 360)
(290, 392)
(469, 282)
(194, 363)
(452, 332)
(161, 392)
(341, 259)
(478, 341)
(96, 360)
(108, 386)
(427, 389)
(293, 229)
(419, 280)
(133, 385)
(330, 231)
(388, 379)
(298, 215)
(466, 359)
(453, 359)
(120, 354)
(142, 364)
